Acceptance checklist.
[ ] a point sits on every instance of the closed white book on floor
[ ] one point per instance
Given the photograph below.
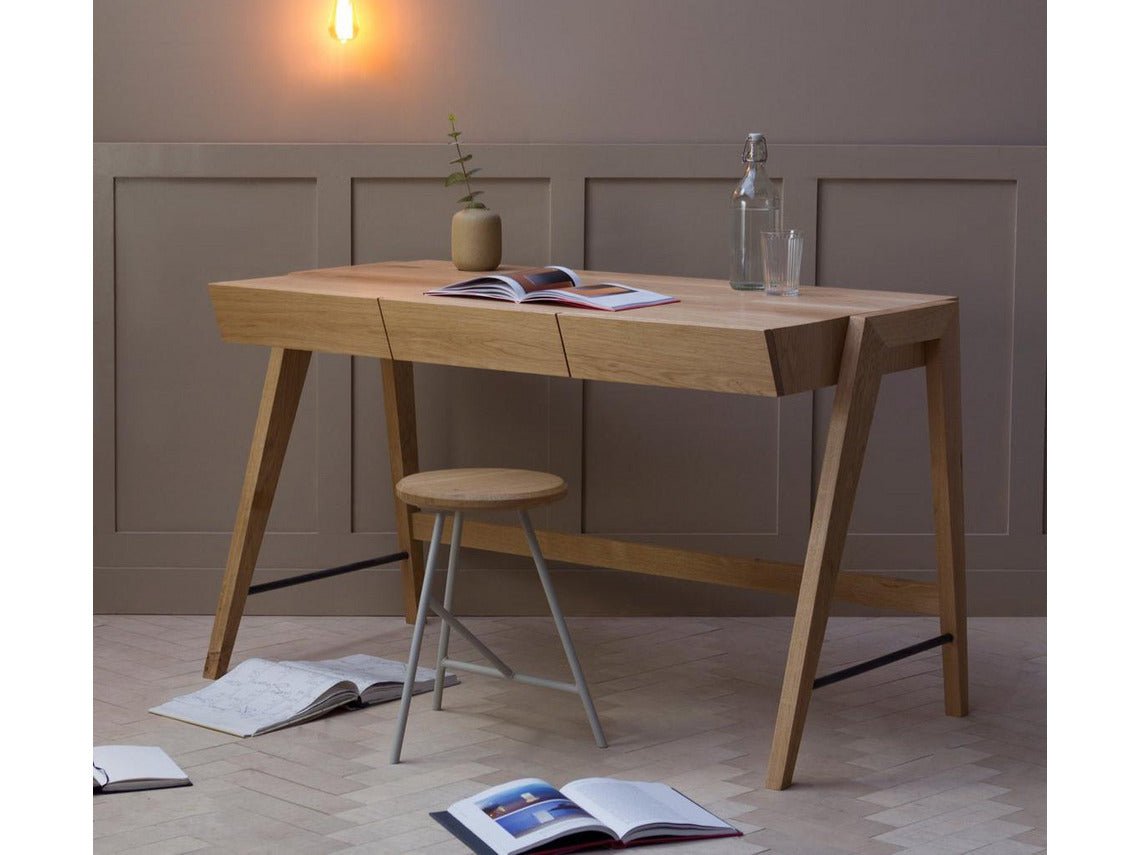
(261, 695)
(121, 768)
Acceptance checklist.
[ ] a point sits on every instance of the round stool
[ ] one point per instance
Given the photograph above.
(456, 491)
(483, 489)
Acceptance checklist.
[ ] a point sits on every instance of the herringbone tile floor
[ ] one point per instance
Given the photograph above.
(687, 701)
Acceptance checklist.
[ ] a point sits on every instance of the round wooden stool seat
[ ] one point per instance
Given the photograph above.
(460, 489)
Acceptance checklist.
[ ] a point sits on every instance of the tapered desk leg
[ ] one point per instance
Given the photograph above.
(855, 396)
(284, 380)
(944, 408)
(403, 456)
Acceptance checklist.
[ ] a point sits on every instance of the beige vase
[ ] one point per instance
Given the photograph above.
(476, 239)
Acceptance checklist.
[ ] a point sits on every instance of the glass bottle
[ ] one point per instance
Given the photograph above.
(755, 209)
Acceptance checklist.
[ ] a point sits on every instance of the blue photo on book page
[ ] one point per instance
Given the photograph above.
(529, 806)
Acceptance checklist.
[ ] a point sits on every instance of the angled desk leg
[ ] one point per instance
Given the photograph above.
(944, 409)
(856, 393)
(284, 380)
(403, 456)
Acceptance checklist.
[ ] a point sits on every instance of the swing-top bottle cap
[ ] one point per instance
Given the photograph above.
(755, 149)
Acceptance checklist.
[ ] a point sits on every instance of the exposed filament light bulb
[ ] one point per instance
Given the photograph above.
(343, 26)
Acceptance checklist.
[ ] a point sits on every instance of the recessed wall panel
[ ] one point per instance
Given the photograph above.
(408, 218)
(675, 227)
(938, 237)
(664, 461)
(667, 460)
(466, 417)
(185, 402)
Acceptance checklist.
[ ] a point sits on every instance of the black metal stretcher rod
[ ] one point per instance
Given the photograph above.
(325, 574)
(880, 661)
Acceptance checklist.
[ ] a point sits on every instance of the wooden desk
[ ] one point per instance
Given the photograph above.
(715, 338)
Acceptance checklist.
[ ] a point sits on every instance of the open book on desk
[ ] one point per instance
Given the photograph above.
(554, 285)
(531, 816)
(260, 695)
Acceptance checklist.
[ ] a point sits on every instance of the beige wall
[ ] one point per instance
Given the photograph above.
(174, 406)
(804, 71)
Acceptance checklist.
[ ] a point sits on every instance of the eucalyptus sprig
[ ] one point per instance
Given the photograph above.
(464, 174)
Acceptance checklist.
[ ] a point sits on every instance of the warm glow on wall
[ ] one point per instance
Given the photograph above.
(343, 25)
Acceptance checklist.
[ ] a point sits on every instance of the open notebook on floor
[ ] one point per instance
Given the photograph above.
(123, 768)
(261, 695)
(531, 816)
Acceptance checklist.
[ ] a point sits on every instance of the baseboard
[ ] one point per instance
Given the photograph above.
(139, 590)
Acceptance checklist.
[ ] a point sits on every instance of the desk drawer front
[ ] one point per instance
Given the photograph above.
(300, 321)
(687, 357)
(474, 337)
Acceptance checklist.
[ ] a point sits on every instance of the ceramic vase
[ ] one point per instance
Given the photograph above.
(476, 239)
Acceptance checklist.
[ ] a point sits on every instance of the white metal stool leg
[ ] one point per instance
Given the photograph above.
(563, 631)
(417, 639)
(448, 594)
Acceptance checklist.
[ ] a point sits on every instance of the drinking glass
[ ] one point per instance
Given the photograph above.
(783, 253)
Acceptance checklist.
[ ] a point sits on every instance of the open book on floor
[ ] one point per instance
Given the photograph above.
(531, 816)
(554, 285)
(122, 768)
(260, 695)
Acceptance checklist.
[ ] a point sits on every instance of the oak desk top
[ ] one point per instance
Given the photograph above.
(715, 338)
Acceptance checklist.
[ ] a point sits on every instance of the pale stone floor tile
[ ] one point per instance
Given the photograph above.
(687, 701)
(975, 823)
(930, 784)
(923, 809)
(172, 846)
(721, 846)
(284, 811)
(1008, 847)
(940, 847)
(294, 792)
(135, 838)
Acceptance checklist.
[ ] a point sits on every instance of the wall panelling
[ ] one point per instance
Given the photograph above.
(175, 406)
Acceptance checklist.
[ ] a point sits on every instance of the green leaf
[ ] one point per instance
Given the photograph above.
(463, 159)
(455, 134)
(471, 197)
(471, 172)
(453, 178)
(475, 205)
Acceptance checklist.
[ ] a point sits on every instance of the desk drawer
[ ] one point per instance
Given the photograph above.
(667, 354)
(502, 338)
(321, 322)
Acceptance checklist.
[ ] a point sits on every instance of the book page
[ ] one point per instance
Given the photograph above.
(498, 285)
(120, 763)
(522, 814)
(543, 278)
(612, 296)
(363, 670)
(652, 808)
(514, 285)
(258, 695)
(376, 680)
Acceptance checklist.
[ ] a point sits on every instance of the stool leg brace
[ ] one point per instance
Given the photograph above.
(450, 621)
